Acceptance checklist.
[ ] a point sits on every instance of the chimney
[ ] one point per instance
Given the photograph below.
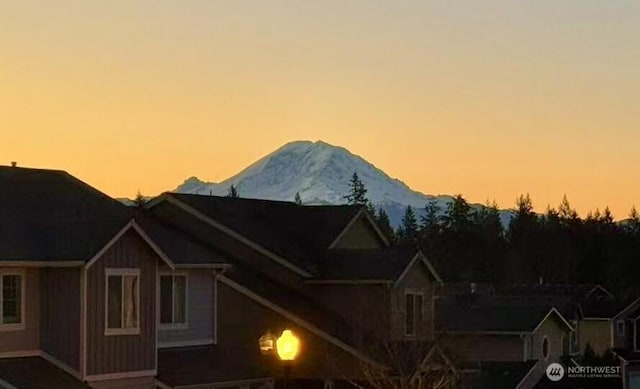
(14, 163)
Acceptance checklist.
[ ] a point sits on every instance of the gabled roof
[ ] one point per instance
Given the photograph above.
(180, 247)
(386, 265)
(455, 315)
(297, 234)
(48, 215)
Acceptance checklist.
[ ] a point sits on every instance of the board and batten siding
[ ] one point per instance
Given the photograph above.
(60, 294)
(122, 353)
(200, 310)
(27, 338)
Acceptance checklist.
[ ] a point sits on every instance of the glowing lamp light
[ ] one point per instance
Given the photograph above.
(287, 346)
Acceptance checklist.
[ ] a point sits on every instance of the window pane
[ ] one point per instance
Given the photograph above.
(11, 299)
(166, 299)
(114, 303)
(130, 302)
(409, 317)
(418, 310)
(180, 313)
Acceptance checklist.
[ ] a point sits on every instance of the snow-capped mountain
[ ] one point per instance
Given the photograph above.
(320, 173)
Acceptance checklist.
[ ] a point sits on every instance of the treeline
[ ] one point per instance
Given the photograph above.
(468, 243)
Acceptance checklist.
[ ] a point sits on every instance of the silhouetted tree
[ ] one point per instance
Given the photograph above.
(385, 225)
(139, 201)
(297, 199)
(409, 225)
(357, 191)
(233, 192)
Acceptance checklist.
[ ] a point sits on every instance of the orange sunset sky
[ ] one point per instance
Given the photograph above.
(490, 99)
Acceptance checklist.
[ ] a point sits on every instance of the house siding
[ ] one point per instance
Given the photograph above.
(242, 321)
(360, 235)
(362, 306)
(200, 309)
(597, 333)
(555, 331)
(27, 339)
(483, 347)
(60, 314)
(417, 279)
(114, 354)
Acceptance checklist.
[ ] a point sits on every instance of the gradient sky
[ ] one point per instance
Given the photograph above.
(490, 98)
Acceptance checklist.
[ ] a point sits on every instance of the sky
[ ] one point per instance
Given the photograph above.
(490, 99)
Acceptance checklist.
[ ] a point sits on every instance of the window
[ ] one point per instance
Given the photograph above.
(12, 296)
(413, 312)
(173, 299)
(122, 301)
(620, 330)
(545, 347)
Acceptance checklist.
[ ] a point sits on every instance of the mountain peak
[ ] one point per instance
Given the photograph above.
(320, 173)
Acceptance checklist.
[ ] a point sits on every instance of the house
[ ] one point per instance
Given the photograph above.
(589, 309)
(626, 343)
(489, 338)
(78, 277)
(325, 271)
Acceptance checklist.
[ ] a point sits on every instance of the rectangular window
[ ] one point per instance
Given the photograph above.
(122, 301)
(620, 327)
(173, 299)
(413, 312)
(12, 296)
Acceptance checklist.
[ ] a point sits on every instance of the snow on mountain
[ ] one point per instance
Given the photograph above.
(320, 173)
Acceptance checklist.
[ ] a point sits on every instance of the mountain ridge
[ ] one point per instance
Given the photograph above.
(320, 173)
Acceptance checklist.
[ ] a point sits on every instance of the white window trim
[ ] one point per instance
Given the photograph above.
(414, 292)
(23, 289)
(174, 326)
(120, 272)
(620, 324)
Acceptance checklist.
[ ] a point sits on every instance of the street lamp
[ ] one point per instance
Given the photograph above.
(286, 346)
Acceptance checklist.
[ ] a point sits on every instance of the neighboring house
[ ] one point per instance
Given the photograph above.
(589, 309)
(626, 343)
(79, 280)
(480, 334)
(325, 271)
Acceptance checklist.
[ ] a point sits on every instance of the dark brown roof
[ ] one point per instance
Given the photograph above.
(48, 215)
(179, 246)
(207, 364)
(366, 264)
(297, 233)
(293, 302)
(36, 373)
(456, 315)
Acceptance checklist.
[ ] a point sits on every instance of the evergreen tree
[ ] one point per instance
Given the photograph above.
(139, 201)
(357, 191)
(385, 225)
(297, 199)
(233, 192)
(371, 209)
(409, 224)
(430, 217)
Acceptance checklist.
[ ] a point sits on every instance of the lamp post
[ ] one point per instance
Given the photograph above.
(286, 347)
